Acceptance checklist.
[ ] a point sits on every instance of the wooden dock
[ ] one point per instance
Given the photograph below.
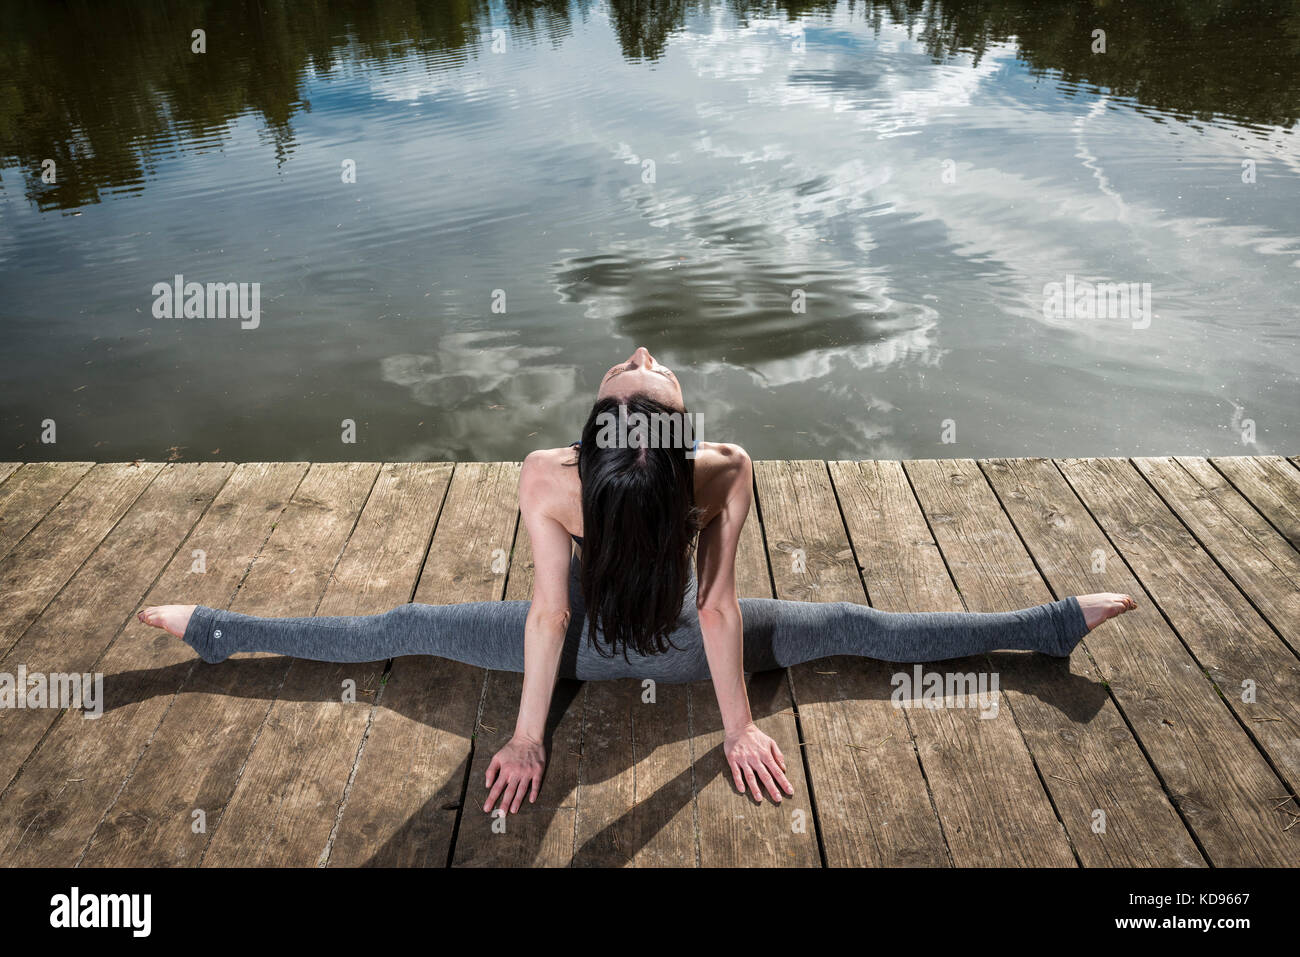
(1170, 737)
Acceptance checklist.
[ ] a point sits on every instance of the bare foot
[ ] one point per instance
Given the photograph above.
(1098, 608)
(174, 618)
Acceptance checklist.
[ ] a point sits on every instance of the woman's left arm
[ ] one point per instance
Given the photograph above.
(753, 757)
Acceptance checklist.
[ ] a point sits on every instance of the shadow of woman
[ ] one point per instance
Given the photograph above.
(630, 829)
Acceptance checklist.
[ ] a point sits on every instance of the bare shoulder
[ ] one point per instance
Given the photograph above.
(723, 471)
(548, 482)
(546, 469)
(724, 460)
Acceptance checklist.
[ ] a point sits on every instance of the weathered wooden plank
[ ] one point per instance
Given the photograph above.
(637, 796)
(1260, 561)
(1209, 766)
(734, 831)
(623, 821)
(410, 779)
(1086, 755)
(1273, 486)
(990, 801)
(50, 811)
(38, 566)
(1258, 675)
(289, 792)
(194, 759)
(7, 469)
(664, 773)
(28, 493)
(541, 834)
(871, 798)
(89, 612)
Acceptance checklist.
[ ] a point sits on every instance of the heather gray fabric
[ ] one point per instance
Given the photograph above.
(777, 634)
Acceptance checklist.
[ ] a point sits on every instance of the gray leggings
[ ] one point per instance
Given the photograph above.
(777, 634)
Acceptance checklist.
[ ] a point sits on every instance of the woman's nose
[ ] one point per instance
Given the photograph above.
(641, 357)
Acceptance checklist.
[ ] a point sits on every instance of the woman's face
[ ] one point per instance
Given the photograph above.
(640, 373)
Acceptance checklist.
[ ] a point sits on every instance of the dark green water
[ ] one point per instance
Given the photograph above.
(920, 174)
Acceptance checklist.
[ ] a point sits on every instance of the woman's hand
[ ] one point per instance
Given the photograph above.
(755, 758)
(515, 770)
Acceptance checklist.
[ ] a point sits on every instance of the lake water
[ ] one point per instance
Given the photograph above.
(847, 227)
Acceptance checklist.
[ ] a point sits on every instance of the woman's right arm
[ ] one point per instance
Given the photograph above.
(516, 770)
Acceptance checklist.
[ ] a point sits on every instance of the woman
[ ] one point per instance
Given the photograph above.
(629, 604)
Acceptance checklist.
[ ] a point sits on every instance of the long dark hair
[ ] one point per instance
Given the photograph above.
(639, 527)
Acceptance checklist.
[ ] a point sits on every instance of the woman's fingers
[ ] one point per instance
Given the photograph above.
(507, 799)
(735, 776)
(754, 791)
(494, 794)
(494, 766)
(522, 791)
(765, 776)
(780, 758)
(509, 785)
(778, 773)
